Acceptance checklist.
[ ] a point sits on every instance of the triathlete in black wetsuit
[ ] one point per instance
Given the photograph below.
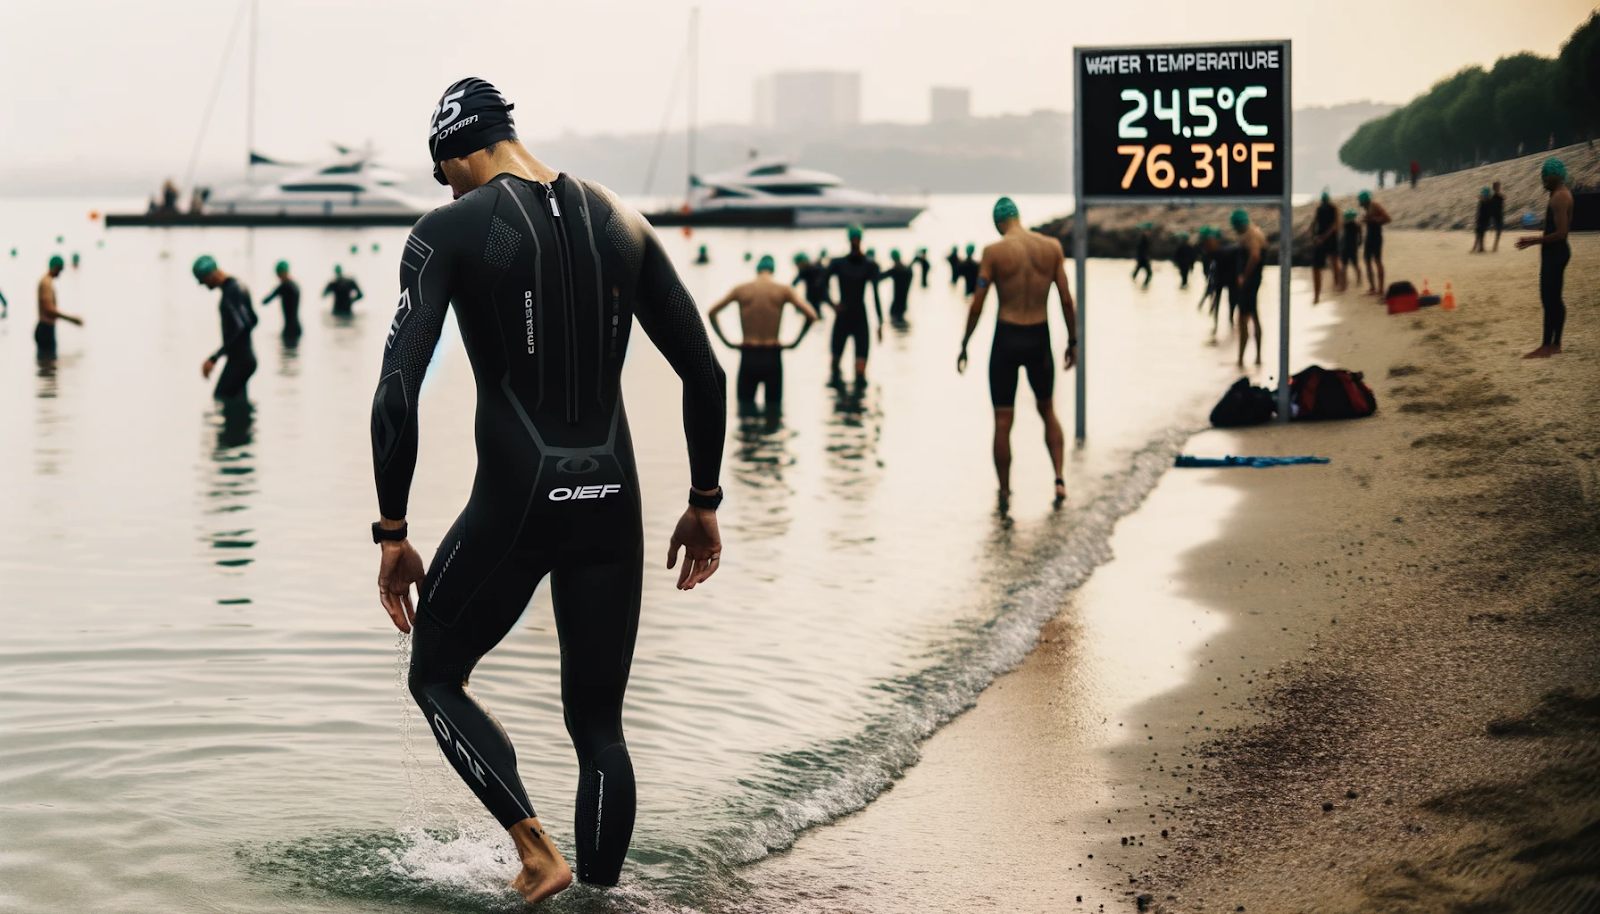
(815, 278)
(288, 291)
(954, 260)
(1325, 246)
(1555, 252)
(238, 319)
(547, 274)
(1183, 257)
(900, 276)
(1350, 246)
(969, 271)
(1141, 254)
(345, 293)
(855, 272)
(921, 263)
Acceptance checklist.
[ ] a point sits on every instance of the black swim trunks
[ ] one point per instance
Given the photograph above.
(760, 366)
(1374, 243)
(1020, 346)
(1247, 296)
(1323, 251)
(44, 339)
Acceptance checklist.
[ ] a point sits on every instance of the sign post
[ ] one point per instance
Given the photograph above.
(1183, 124)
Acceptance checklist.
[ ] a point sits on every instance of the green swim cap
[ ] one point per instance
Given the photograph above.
(746, 256)
(1238, 219)
(338, 270)
(1553, 167)
(1485, 192)
(970, 249)
(1350, 215)
(1146, 226)
(766, 264)
(822, 253)
(56, 262)
(204, 266)
(853, 232)
(282, 267)
(872, 252)
(1005, 209)
(1183, 236)
(1364, 197)
(894, 253)
(801, 257)
(1325, 197)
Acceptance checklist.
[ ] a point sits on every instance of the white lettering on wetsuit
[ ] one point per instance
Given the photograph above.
(581, 492)
(527, 313)
(462, 753)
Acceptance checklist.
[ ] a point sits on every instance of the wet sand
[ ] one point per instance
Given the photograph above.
(1369, 686)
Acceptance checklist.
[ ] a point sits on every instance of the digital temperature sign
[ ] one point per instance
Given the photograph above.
(1183, 122)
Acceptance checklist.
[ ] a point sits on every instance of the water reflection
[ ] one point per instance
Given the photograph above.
(761, 456)
(228, 489)
(49, 418)
(289, 357)
(854, 431)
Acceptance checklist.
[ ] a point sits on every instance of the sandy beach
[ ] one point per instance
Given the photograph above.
(1386, 667)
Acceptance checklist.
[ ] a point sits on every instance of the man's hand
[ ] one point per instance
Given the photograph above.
(1072, 356)
(1528, 241)
(880, 331)
(961, 361)
(697, 535)
(399, 568)
(205, 368)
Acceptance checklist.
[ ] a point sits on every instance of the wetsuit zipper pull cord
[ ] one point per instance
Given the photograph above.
(550, 197)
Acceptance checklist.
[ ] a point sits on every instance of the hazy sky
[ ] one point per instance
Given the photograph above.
(116, 85)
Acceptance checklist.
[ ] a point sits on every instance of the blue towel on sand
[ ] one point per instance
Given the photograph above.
(1184, 460)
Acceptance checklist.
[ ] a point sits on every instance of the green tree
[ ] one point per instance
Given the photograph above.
(1579, 68)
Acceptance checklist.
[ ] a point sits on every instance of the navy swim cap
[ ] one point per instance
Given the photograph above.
(471, 115)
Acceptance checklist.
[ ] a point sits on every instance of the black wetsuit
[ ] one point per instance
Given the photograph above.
(1374, 243)
(1481, 223)
(1141, 257)
(1226, 265)
(855, 273)
(345, 293)
(814, 276)
(547, 283)
(900, 276)
(1183, 258)
(921, 261)
(1325, 220)
(760, 366)
(238, 319)
(969, 275)
(1553, 260)
(289, 291)
(1497, 212)
(44, 340)
(1350, 247)
(1020, 346)
(954, 260)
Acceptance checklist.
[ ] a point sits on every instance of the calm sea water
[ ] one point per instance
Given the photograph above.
(202, 703)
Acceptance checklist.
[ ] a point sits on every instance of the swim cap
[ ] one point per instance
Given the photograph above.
(1325, 197)
(970, 249)
(801, 257)
(56, 262)
(746, 256)
(853, 232)
(282, 267)
(1350, 214)
(1183, 236)
(1238, 219)
(338, 270)
(471, 115)
(766, 264)
(1364, 197)
(822, 253)
(204, 266)
(1485, 192)
(894, 253)
(1005, 209)
(1146, 226)
(1553, 167)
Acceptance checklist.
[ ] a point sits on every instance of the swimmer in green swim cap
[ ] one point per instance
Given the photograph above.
(1554, 254)
(761, 302)
(44, 334)
(288, 292)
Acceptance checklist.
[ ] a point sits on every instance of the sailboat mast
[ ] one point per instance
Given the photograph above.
(694, 84)
(250, 102)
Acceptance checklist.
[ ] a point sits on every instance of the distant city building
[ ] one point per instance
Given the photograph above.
(799, 100)
(949, 103)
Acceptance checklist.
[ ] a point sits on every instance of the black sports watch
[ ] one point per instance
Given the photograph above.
(382, 535)
(708, 502)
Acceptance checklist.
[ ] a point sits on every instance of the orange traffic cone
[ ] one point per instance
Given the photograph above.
(1448, 303)
(1425, 287)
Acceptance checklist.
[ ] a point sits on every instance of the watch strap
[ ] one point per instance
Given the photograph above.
(381, 535)
(708, 502)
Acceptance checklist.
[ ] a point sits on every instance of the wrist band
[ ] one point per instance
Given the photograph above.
(708, 502)
(381, 535)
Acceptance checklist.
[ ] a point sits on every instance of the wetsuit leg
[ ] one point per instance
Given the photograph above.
(746, 382)
(482, 589)
(44, 340)
(236, 372)
(1039, 363)
(841, 333)
(597, 617)
(1552, 277)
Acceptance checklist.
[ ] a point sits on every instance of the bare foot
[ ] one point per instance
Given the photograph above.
(1004, 500)
(1061, 492)
(1543, 352)
(1556, 349)
(544, 872)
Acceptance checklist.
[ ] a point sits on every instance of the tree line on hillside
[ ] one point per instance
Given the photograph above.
(1524, 104)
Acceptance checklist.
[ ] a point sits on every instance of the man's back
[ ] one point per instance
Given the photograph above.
(761, 302)
(1023, 265)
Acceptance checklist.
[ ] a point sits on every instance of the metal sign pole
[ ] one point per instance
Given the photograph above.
(1285, 237)
(1080, 254)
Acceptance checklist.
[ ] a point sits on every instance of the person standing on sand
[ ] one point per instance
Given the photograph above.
(1325, 247)
(1376, 218)
(1554, 253)
(44, 335)
(1480, 225)
(761, 304)
(1183, 257)
(1416, 173)
(1497, 213)
(1141, 253)
(923, 266)
(1022, 266)
(1350, 248)
(1254, 244)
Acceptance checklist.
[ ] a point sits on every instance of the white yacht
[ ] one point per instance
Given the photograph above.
(351, 185)
(775, 192)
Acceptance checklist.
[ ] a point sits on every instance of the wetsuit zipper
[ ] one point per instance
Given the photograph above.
(570, 307)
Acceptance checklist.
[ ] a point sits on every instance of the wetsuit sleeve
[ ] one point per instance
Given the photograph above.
(668, 315)
(425, 273)
(240, 317)
(273, 294)
(358, 295)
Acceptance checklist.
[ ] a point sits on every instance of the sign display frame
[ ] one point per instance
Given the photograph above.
(1176, 68)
